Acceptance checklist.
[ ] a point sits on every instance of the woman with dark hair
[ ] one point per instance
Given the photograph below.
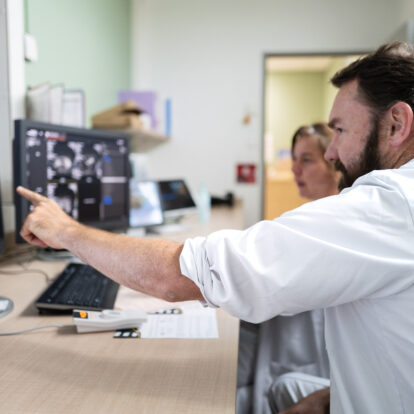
(289, 343)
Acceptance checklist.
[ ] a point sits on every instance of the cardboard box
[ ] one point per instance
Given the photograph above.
(124, 115)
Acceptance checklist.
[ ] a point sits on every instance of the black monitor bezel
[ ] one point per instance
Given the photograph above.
(22, 206)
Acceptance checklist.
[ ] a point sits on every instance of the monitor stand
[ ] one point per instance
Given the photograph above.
(6, 306)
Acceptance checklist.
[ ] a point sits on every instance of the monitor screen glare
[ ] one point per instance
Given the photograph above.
(145, 204)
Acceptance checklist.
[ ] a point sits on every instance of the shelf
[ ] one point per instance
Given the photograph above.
(143, 140)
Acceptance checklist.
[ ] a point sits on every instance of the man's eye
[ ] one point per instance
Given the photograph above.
(339, 130)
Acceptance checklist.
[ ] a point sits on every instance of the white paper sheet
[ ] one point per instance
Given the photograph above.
(194, 322)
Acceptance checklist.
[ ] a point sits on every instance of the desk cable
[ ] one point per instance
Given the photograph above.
(52, 325)
(31, 250)
(23, 263)
(25, 270)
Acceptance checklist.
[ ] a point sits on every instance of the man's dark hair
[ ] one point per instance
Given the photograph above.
(385, 77)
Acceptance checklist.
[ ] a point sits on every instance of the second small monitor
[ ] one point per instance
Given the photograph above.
(176, 198)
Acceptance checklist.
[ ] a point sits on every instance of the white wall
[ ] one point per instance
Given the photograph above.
(207, 57)
(406, 11)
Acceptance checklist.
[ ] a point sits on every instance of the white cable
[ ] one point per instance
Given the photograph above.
(26, 270)
(52, 325)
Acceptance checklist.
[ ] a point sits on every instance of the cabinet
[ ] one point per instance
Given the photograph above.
(281, 192)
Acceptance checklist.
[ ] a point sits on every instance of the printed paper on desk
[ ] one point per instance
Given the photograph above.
(193, 322)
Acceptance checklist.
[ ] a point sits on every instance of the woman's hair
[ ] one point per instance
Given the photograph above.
(319, 130)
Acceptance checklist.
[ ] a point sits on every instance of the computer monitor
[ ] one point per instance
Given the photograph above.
(176, 199)
(85, 171)
(145, 205)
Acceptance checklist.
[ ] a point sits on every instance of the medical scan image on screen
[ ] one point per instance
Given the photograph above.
(145, 204)
(86, 177)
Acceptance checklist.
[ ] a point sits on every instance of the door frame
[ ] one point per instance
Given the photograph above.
(264, 73)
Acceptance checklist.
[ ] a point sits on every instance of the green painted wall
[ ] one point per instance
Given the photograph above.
(292, 99)
(84, 44)
(330, 91)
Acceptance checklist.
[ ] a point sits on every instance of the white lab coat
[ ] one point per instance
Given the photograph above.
(352, 254)
(288, 344)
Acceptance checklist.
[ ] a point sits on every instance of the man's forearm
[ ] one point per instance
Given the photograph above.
(148, 265)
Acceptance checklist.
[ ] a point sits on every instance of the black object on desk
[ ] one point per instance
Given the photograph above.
(78, 286)
(228, 200)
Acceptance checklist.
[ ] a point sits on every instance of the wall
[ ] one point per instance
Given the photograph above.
(83, 44)
(405, 11)
(208, 58)
(330, 91)
(297, 98)
(292, 99)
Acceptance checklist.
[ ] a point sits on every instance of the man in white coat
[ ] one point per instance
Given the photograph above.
(351, 253)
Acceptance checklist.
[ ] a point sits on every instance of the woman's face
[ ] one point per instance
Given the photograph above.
(314, 177)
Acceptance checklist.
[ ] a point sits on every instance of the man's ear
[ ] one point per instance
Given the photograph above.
(400, 122)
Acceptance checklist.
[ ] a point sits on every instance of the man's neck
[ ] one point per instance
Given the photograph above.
(402, 157)
(396, 157)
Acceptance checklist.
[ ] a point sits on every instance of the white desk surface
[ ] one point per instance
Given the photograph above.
(59, 371)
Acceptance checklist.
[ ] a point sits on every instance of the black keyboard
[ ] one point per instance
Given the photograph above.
(78, 286)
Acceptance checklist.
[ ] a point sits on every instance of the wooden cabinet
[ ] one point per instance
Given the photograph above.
(281, 193)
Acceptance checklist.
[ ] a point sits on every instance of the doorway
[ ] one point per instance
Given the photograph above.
(297, 92)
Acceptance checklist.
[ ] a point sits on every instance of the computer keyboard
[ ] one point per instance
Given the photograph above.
(78, 286)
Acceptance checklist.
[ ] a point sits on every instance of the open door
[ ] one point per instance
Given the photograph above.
(297, 91)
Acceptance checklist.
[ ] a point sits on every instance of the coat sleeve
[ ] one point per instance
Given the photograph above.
(343, 248)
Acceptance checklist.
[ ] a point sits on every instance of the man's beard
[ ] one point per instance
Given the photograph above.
(369, 160)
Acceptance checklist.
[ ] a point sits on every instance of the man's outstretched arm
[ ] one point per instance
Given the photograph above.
(148, 265)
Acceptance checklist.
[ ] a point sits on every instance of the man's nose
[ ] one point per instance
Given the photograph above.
(331, 153)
